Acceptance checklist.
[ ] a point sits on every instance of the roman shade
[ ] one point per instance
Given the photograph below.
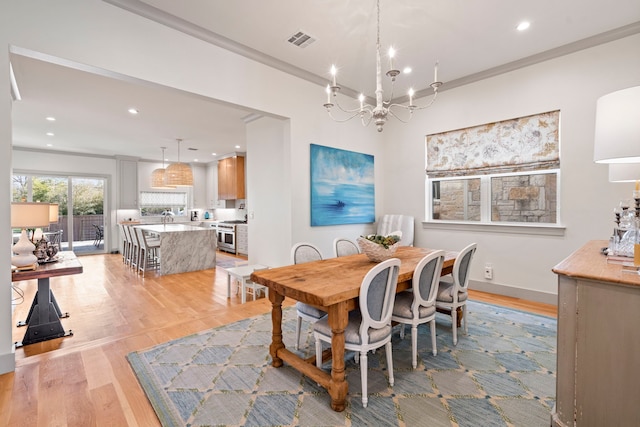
(515, 145)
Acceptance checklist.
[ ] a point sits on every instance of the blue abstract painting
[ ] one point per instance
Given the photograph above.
(342, 187)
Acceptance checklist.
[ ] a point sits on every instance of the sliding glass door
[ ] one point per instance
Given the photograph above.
(81, 207)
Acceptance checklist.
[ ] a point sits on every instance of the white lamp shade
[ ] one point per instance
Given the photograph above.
(624, 172)
(53, 213)
(617, 134)
(29, 215)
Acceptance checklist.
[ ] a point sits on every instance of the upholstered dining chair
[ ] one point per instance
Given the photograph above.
(390, 223)
(370, 327)
(418, 305)
(453, 294)
(301, 253)
(344, 247)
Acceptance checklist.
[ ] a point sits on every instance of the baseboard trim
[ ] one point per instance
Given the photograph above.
(513, 292)
(8, 362)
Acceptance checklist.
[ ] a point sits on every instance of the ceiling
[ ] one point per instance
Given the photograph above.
(470, 40)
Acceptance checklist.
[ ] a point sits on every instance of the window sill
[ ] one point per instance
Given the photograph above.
(516, 228)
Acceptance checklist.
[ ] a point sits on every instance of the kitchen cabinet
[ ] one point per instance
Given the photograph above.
(231, 178)
(242, 239)
(127, 168)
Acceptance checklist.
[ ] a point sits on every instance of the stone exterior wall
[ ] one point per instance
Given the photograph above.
(452, 200)
(524, 198)
(521, 198)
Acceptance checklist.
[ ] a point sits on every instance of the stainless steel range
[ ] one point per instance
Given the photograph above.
(227, 235)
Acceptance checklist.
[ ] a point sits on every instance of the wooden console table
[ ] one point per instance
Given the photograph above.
(43, 321)
(598, 373)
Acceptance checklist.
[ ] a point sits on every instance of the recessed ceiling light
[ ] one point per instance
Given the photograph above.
(237, 146)
(214, 154)
(407, 70)
(51, 119)
(50, 134)
(49, 145)
(523, 25)
(195, 160)
(133, 110)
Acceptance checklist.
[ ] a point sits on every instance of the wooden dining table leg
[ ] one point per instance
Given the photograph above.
(276, 321)
(338, 386)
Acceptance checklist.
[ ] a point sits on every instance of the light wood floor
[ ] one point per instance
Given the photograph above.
(85, 380)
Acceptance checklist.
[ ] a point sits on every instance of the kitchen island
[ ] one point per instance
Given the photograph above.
(184, 247)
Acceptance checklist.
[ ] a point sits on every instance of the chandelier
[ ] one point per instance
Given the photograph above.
(383, 109)
(179, 174)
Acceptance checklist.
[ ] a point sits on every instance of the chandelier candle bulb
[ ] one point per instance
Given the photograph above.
(328, 95)
(411, 97)
(333, 75)
(361, 99)
(435, 72)
(392, 53)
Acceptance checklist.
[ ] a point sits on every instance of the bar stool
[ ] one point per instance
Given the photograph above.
(126, 245)
(134, 253)
(148, 257)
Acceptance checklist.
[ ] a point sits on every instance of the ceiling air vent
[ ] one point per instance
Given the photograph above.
(192, 149)
(301, 39)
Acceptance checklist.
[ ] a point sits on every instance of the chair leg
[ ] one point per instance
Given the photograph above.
(454, 325)
(464, 318)
(389, 362)
(298, 327)
(402, 330)
(414, 346)
(434, 346)
(363, 377)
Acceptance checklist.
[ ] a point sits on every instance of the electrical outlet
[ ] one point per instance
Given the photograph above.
(488, 271)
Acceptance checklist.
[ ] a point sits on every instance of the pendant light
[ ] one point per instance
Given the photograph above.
(158, 180)
(179, 174)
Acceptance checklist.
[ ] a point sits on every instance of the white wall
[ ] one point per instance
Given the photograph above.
(571, 84)
(7, 359)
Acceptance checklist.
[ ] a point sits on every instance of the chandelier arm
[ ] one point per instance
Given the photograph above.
(362, 119)
(392, 114)
(343, 120)
(435, 95)
(365, 107)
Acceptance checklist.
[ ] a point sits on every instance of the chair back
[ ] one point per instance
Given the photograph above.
(461, 268)
(426, 278)
(390, 223)
(305, 252)
(142, 238)
(127, 234)
(344, 247)
(377, 295)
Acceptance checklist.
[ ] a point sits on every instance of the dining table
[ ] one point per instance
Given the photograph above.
(332, 285)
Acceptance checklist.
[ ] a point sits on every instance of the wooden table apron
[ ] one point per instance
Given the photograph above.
(333, 285)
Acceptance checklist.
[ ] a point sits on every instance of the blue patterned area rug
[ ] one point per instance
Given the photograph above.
(501, 374)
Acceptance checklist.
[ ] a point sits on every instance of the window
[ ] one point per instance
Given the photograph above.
(154, 203)
(504, 172)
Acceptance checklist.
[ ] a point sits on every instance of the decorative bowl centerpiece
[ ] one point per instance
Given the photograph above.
(379, 248)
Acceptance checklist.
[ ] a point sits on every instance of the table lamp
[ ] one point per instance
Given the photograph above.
(27, 215)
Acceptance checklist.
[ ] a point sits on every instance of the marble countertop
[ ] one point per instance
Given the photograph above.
(172, 228)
